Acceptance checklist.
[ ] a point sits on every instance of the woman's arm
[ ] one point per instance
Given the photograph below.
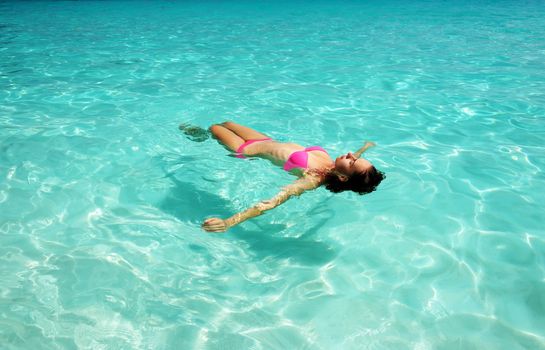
(365, 147)
(295, 189)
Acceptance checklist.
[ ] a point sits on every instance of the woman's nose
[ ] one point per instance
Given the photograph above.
(349, 155)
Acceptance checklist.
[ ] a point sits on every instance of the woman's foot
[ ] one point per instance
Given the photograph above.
(194, 133)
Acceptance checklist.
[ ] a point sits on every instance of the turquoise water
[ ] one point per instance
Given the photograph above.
(101, 196)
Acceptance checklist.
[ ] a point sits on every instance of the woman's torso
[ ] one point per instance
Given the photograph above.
(279, 153)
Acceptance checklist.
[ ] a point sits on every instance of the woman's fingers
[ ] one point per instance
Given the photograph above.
(208, 228)
(214, 225)
(213, 222)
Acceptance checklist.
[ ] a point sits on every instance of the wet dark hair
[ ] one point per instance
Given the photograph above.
(361, 183)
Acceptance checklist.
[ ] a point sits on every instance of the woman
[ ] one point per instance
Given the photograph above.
(312, 165)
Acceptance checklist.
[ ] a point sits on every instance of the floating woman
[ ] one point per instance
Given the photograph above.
(312, 165)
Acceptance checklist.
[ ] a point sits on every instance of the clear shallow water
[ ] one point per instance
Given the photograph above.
(101, 197)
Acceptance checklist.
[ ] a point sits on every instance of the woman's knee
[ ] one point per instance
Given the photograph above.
(215, 129)
(228, 123)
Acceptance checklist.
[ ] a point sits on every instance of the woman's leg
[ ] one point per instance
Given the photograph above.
(227, 137)
(244, 132)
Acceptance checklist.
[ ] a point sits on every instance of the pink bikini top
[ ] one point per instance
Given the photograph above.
(299, 159)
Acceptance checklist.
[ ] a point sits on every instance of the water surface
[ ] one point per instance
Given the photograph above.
(101, 196)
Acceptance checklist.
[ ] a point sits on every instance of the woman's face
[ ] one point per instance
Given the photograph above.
(348, 164)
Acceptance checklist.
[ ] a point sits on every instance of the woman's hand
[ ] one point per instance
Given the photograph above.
(214, 225)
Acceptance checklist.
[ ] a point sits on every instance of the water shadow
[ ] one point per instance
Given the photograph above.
(269, 240)
(188, 203)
